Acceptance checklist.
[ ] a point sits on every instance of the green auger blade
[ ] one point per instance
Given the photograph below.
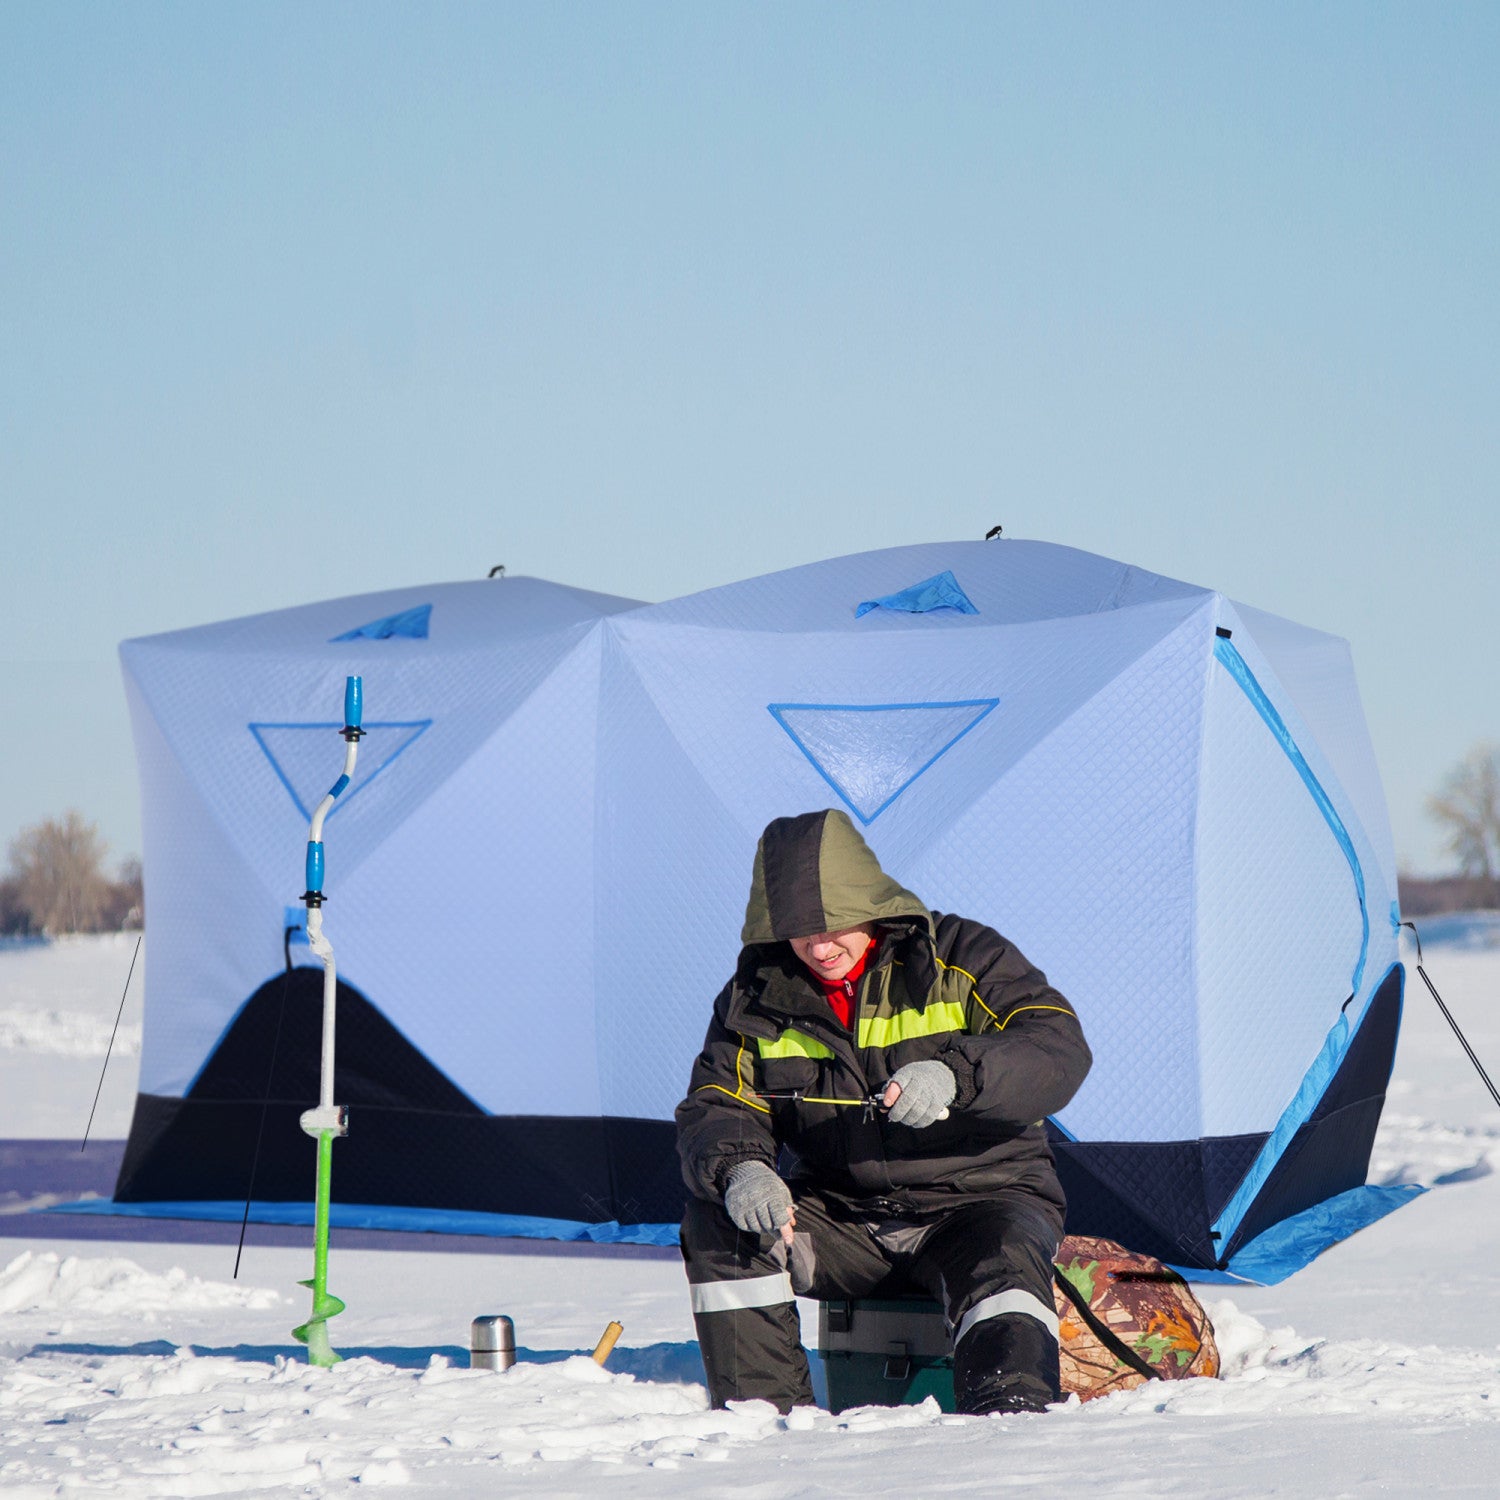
(314, 1332)
(320, 1352)
(325, 1306)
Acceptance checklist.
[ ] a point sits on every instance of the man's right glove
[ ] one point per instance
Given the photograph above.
(757, 1199)
(927, 1089)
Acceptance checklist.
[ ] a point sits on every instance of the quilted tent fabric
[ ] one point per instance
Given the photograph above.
(1166, 799)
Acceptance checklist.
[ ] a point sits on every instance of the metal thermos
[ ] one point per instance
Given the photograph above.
(492, 1342)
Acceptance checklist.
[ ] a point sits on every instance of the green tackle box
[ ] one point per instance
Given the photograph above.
(885, 1352)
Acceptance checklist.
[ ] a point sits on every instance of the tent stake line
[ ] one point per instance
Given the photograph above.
(328, 1120)
(1463, 1041)
(83, 1145)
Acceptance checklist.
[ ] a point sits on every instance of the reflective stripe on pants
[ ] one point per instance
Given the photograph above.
(1013, 1301)
(733, 1296)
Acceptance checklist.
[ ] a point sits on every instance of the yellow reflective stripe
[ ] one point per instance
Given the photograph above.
(975, 993)
(1062, 1010)
(739, 1078)
(792, 1043)
(763, 1108)
(886, 1031)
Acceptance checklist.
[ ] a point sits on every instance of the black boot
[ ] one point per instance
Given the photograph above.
(1008, 1363)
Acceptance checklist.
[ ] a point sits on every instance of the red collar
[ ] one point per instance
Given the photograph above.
(836, 986)
(840, 992)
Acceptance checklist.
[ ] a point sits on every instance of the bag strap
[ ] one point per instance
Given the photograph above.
(1101, 1331)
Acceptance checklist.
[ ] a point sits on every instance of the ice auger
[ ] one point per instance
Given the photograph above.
(328, 1119)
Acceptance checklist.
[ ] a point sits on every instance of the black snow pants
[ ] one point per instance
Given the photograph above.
(989, 1263)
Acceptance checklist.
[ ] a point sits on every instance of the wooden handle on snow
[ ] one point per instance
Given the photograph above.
(607, 1341)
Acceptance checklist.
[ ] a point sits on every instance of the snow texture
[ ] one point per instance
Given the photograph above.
(150, 1371)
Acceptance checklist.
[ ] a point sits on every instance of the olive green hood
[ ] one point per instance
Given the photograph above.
(814, 873)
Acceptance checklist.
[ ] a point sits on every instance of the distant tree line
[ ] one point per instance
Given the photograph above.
(1423, 896)
(55, 882)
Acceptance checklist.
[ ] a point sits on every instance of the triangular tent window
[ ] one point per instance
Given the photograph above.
(870, 753)
(411, 623)
(300, 754)
(941, 591)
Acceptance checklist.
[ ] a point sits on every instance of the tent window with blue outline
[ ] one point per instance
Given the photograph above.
(870, 753)
(298, 754)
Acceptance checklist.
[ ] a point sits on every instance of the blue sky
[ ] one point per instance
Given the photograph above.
(308, 300)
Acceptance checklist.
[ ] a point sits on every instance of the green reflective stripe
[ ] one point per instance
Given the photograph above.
(792, 1043)
(886, 1031)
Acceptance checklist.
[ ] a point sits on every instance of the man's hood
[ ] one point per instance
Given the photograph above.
(814, 873)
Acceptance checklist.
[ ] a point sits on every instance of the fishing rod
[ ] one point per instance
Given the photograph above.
(328, 1120)
(870, 1103)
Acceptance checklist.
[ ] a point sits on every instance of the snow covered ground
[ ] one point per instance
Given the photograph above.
(143, 1368)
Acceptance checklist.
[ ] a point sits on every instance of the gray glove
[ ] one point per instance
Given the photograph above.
(927, 1089)
(757, 1199)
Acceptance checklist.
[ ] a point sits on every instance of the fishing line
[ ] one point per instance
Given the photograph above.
(286, 984)
(109, 1049)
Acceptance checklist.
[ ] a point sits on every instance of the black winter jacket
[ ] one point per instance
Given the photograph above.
(935, 986)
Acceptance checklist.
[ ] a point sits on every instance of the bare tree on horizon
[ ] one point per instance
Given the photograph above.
(56, 868)
(1467, 804)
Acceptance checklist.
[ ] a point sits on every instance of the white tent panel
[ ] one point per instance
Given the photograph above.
(669, 897)
(473, 924)
(1352, 820)
(1081, 853)
(205, 958)
(1316, 671)
(1275, 957)
(791, 718)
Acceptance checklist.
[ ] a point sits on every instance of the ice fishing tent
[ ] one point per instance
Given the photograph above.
(536, 882)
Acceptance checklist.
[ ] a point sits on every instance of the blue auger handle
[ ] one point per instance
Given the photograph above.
(314, 868)
(354, 707)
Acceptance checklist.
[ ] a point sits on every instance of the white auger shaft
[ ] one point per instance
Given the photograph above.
(328, 1115)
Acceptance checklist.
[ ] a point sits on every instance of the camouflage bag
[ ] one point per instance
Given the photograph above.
(1126, 1319)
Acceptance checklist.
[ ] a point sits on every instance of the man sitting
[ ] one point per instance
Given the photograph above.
(865, 1119)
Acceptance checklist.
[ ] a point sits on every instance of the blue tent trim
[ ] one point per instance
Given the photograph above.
(1239, 669)
(1161, 1197)
(1298, 1241)
(941, 591)
(1314, 1087)
(1277, 1254)
(1336, 1044)
(866, 814)
(382, 1216)
(409, 623)
(418, 727)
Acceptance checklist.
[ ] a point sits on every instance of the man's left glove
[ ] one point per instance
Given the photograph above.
(927, 1089)
(757, 1199)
